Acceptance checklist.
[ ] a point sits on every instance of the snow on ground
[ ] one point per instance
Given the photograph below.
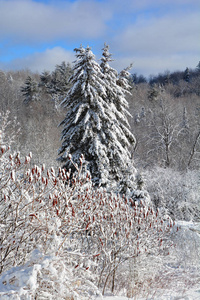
(189, 295)
(21, 282)
(189, 225)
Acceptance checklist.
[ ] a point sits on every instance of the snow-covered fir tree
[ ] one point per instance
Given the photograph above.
(117, 88)
(96, 124)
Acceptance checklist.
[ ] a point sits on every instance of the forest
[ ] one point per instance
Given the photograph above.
(54, 222)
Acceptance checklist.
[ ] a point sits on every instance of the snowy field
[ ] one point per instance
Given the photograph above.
(190, 294)
(21, 282)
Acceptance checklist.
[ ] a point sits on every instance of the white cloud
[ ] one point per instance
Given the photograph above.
(169, 34)
(139, 6)
(157, 44)
(39, 62)
(32, 22)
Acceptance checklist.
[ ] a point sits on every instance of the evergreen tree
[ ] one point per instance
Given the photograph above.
(85, 116)
(59, 79)
(93, 124)
(117, 88)
(45, 79)
(30, 90)
(153, 93)
(186, 75)
(59, 85)
(56, 84)
(167, 78)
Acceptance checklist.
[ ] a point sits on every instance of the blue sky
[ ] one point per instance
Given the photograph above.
(154, 35)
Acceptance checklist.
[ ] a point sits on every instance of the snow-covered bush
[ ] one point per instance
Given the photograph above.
(89, 233)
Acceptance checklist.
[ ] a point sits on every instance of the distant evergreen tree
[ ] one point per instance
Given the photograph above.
(186, 75)
(55, 84)
(59, 85)
(137, 79)
(134, 78)
(29, 90)
(45, 79)
(153, 93)
(59, 78)
(93, 126)
(167, 78)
